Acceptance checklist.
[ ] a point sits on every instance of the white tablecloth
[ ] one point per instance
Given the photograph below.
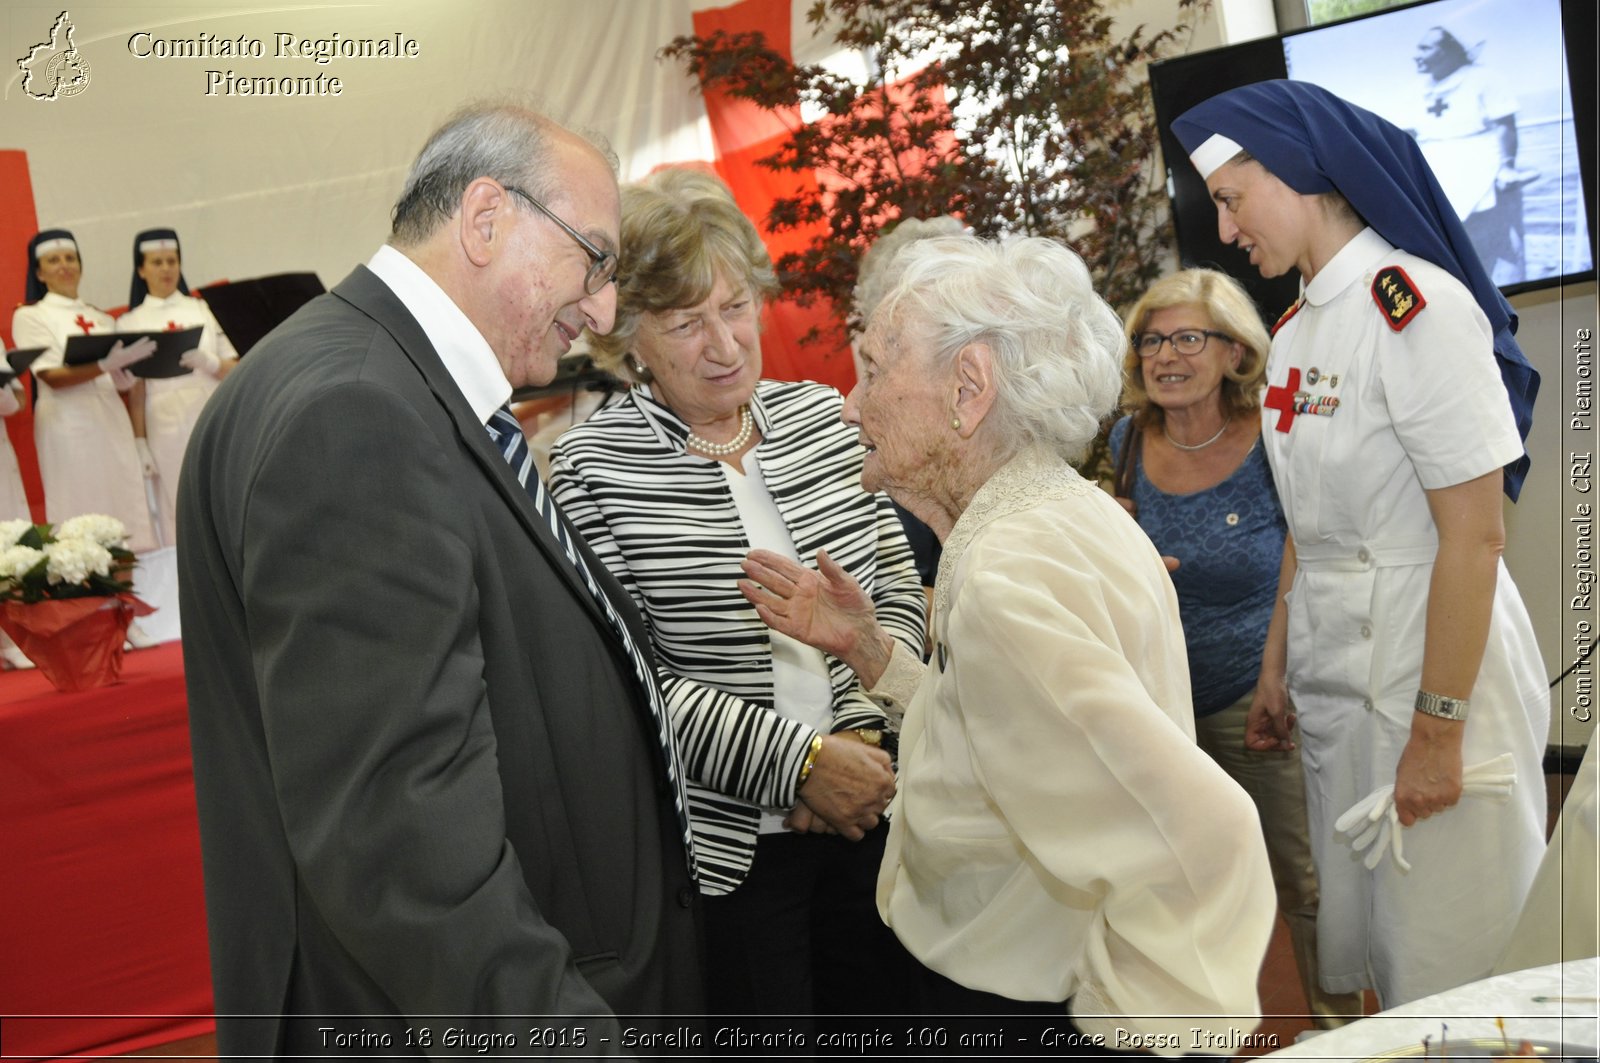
(1470, 1011)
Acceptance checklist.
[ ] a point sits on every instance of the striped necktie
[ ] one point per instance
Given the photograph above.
(506, 433)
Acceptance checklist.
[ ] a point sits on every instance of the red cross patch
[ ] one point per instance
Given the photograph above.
(1282, 399)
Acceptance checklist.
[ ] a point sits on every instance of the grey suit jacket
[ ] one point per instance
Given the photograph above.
(426, 777)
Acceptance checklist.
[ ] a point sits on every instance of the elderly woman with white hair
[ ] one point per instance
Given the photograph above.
(1057, 836)
(874, 277)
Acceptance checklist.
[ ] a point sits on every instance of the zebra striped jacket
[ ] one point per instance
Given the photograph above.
(664, 522)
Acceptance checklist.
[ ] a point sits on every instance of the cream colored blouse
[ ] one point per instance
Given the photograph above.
(1057, 833)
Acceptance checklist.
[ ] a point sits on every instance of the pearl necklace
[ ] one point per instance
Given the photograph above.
(1192, 447)
(747, 425)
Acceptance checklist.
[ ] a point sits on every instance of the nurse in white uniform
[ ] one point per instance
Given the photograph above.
(87, 456)
(88, 459)
(13, 502)
(1396, 408)
(160, 300)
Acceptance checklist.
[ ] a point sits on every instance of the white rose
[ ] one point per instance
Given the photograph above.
(15, 561)
(97, 527)
(74, 560)
(12, 530)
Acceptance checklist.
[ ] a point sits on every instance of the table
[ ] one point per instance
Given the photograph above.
(102, 913)
(1470, 1011)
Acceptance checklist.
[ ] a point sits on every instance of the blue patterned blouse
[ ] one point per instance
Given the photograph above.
(1229, 540)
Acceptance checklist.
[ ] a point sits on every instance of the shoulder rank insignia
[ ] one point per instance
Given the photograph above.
(1287, 314)
(1396, 296)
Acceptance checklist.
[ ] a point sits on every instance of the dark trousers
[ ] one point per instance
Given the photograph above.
(801, 936)
(797, 954)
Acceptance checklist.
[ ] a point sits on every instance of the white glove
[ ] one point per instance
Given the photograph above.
(123, 379)
(9, 403)
(1494, 777)
(120, 356)
(1375, 824)
(147, 457)
(201, 361)
(1374, 816)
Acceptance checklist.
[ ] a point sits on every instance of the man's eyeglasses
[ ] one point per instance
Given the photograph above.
(1187, 341)
(602, 264)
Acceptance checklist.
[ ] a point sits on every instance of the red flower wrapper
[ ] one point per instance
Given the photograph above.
(76, 642)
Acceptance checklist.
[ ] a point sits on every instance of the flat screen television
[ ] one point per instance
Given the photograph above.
(1533, 222)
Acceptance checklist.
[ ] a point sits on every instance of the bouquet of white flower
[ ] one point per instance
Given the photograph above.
(66, 598)
(84, 557)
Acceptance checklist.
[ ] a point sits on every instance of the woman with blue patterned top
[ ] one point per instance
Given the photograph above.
(1193, 473)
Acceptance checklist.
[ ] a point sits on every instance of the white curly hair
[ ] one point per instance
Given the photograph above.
(1057, 345)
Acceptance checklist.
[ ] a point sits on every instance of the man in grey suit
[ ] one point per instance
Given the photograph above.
(434, 793)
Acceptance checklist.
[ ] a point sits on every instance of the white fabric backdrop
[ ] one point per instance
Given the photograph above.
(258, 185)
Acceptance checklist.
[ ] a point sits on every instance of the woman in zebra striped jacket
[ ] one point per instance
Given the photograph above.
(698, 463)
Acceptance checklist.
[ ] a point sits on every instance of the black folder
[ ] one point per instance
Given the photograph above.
(20, 359)
(170, 346)
(249, 309)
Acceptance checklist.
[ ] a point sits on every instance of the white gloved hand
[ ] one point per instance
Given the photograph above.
(1374, 824)
(147, 457)
(9, 403)
(120, 356)
(201, 361)
(123, 379)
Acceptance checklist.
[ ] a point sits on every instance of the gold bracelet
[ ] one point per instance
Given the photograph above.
(811, 759)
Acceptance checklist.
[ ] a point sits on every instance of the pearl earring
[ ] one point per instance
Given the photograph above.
(955, 422)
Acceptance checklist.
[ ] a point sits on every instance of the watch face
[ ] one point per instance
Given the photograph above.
(1441, 706)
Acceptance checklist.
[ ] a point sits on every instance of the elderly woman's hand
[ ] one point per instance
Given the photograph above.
(802, 820)
(850, 785)
(826, 609)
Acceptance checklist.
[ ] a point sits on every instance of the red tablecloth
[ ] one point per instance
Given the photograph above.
(102, 914)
